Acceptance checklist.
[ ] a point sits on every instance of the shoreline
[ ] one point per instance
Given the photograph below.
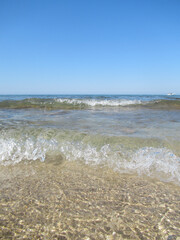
(76, 201)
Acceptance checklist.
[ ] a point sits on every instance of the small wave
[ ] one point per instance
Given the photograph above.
(160, 163)
(95, 102)
(154, 162)
(88, 103)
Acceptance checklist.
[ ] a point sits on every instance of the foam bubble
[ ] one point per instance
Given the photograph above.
(155, 162)
(13, 151)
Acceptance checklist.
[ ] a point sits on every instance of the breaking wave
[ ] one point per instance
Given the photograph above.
(87, 103)
(158, 162)
(94, 102)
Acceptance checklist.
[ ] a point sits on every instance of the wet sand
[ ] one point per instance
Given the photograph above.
(75, 201)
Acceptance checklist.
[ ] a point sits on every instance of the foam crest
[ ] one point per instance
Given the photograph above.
(87, 153)
(95, 102)
(160, 163)
(156, 162)
(13, 151)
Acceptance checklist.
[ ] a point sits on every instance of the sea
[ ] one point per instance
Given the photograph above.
(134, 134)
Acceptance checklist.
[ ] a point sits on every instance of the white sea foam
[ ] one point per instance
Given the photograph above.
(13, 151)
(154, 162)
(96, 102)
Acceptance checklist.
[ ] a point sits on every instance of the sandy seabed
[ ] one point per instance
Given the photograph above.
(76, 201)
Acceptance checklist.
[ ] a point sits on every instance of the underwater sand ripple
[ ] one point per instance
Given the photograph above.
(74, 201)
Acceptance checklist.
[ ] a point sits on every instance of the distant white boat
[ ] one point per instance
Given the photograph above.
(170, 94)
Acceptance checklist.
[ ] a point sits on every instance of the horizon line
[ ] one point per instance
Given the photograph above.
(87, 94)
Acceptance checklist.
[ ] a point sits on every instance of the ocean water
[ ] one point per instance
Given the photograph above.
(128, 133)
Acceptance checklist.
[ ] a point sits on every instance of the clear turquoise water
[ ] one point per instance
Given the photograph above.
(130, 133)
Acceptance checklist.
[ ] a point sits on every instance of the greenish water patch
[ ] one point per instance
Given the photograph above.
(47, 104)
(55, 103)
(95, 140)
(164, 104)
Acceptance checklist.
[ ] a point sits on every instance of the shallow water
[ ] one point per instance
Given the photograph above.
(122, 132)
(71, 200)
(90, 167)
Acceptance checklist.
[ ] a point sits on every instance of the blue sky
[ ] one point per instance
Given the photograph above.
(92, 46)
